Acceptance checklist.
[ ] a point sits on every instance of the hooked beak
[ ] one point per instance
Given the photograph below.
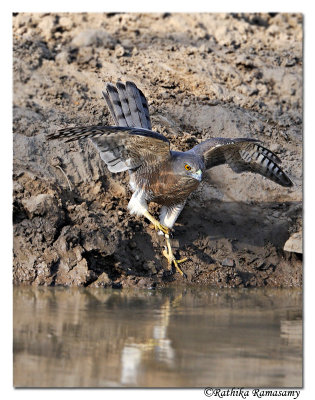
(197, 175)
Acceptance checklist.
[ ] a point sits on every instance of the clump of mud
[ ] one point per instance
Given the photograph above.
(205, 75)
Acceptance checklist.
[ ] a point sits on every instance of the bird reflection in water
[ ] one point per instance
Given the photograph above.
(159, 346)
(183, 338)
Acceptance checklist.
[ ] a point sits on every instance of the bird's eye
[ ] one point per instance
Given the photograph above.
(187, 167)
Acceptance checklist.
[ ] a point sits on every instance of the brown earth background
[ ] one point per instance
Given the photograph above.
(205, 75)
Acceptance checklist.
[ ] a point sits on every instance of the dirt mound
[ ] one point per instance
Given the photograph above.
(205, 75)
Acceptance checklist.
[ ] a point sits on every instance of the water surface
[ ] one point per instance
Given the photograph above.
(169, 338)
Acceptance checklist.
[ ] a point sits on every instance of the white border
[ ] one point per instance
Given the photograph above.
(304, 6)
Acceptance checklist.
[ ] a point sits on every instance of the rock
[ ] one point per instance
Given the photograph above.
(273, 30)
(66, 23)
(94, 240)
(23, 19)
(119, 51)
(47, 26)
(294, 244)
(143, 283)
(40, 204)
(135, 51)
(275, 148)
(85, 55)
(94, 37)
(212, 267)
(102, 281)
(77, 276)
(62, 57)
(17, 187)
(150, 266)
(228, 262)
(97, 188)
(78, 250)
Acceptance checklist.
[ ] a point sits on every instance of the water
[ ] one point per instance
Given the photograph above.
(170, 338)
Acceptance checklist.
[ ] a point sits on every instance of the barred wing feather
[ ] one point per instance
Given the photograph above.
(121, 148)
(242, 155)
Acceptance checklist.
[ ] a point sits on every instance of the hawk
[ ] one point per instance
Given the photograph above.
(158, 174)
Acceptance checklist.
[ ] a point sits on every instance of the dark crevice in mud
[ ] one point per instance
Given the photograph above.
(53, 272)
(255, 18)
(66, 197)
(247, 278)
(292, 257)
(59, 230)
(18, 212)
(99, 263)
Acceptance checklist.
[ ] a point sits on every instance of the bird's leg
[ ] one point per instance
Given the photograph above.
(157, 225)
(170, 256)
(169, 252)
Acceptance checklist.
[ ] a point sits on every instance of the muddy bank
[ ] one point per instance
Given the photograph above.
(204, 75)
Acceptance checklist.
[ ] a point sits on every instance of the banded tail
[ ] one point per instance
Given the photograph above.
(128, 105)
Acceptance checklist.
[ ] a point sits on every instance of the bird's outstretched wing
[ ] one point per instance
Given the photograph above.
(132, 142)
(128, 105)
(242, 155)
(121, 148)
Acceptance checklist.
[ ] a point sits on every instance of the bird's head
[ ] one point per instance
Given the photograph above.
(188, 165)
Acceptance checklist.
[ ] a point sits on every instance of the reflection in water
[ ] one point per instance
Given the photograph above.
(170, 338)
(158, 346)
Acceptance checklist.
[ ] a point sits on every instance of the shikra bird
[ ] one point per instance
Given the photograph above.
(158, 174)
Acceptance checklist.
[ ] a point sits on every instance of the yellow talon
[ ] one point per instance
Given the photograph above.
(156, 224)
(168, 253)
(171, 258)
(160, 227)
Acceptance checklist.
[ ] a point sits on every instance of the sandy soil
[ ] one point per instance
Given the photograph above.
(204, 75)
